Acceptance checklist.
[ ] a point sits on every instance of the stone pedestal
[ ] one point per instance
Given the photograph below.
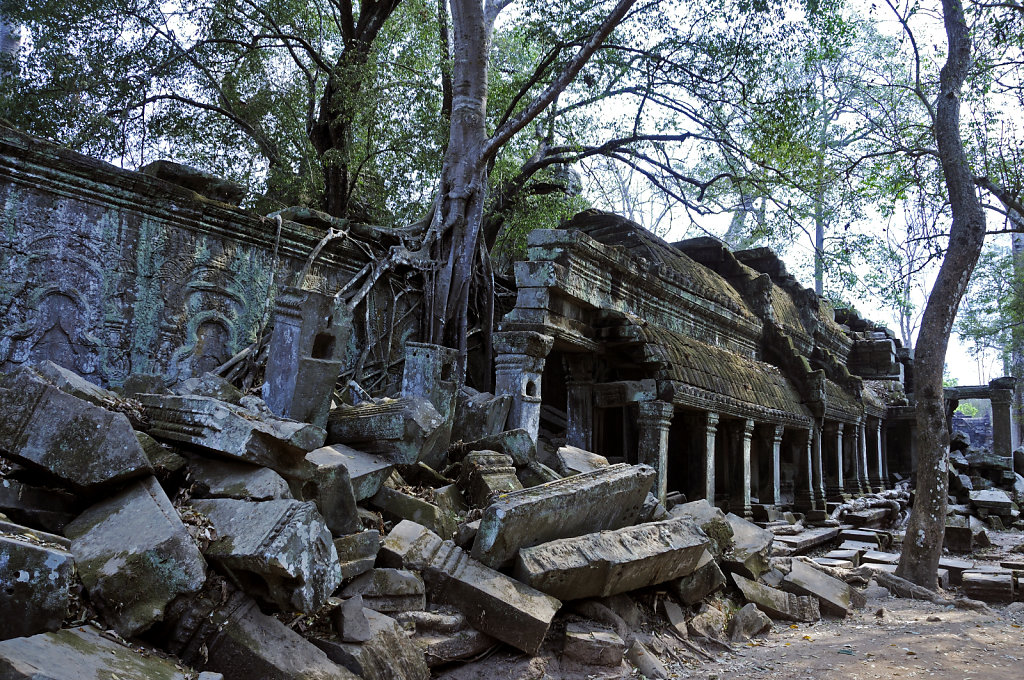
(519, 365)
(653, 420)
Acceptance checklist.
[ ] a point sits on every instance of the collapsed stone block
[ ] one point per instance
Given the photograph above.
(404, 506)
(709, 622)
(389, 590)
(570, 460)
(402, 430)
(429, 372)
(366, 471)
(958, 537)
(322, 477)
(479, 414)
(307, 349)
(83, 652)
(711, 521)
(135, 556)
(747, 622)
(751, 547)
(493, 603)
(592, 646)
(996, 586)
(833, 595)
(995, 501)
(611, 562)
(166, 463)
(50, 509)
(388, 653)
(209, 385)
(357, 553)
(230, 430)
(36, 574)
(706, 578)
(84, 446)
(777, 603)
(486, 474)
(279, 551)
(445, 636)
(241, 481)
(606, 499)
(350, 620)
(516, 443)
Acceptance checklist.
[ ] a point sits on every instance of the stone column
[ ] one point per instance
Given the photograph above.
(1002, 424)
(653, 421)
(579, 406)
(710, 436)
(776, 491)
(851, 452)
(803, 493)
(519, 365)
(862, 439)
(883, 447)
(740, 496)
(875, 478)
(836, 487)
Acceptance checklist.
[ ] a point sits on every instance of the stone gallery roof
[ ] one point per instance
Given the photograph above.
(840, 404)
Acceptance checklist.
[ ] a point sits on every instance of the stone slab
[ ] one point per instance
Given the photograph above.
(811, 538)
(706, 578)
(711, 521)
(134, 556)
(988, 586)
(39, 506)
(84, 446)
(516, 443)
(389, 591)
(322, 476)
(570, 460)
(751, 547)
(612, 562)
(877, 557)
(992, 499)
(748, 622)
(36, 577)
(776, 603)
(493, 603)
(401, 505)
(833, 595)
(279, 551)
(388, 654)
(592, 646)
(357, 553)
(401, 430)
(479, 414)
(231, 479)
(366, 471)
(606, 499)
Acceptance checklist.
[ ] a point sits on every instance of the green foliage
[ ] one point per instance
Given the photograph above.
(992, 309)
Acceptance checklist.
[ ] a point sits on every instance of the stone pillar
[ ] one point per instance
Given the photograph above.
(430, 373)
(776, 490)
(1002, 424)
(519, 365)
(740, 493)
(803, 493)
(836, 487)
(710, 436)
(862, 455)
(876, 479)
(579, 406)
(654, 419)
(883, 446)
(851, 452)
(818, 485)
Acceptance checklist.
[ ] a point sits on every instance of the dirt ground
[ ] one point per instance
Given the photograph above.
(889, 638)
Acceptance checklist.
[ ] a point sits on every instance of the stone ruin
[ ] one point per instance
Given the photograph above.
(676, 425)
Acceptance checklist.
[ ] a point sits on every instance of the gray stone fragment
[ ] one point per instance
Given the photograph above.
(516, 443)
(389, 590)
(388, 654)
(366, 471)
(357, 553)
(279, 551)
(958, 537)
(322, 476)
(644, 661)
(492, 602)
(36, 574)
(194, 179)
(50, 509)
(241, 481)
(350, 620)
(486, 474)
(83, 445)
(992, 499)
(230, 430)
(440, 647)
(479, 414)
(709, 622)
(165, 462)
(80, 653)
(403, 431)
(751, 547)
(429, 372)
(209, 385)
(746, 623)
(776, 603)
(401, 505)
(833, 595)
(712, 522)
(612, 562)
(610, 498)
(135, 556)
(70, 382)
(592, 645)
(306, 352)
(705, 579)
(570, 460)
(980, 532)
(996, 586)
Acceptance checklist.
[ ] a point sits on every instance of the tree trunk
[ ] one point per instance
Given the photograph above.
(922, 546)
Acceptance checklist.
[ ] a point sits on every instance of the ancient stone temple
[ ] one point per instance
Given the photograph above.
(714, 367)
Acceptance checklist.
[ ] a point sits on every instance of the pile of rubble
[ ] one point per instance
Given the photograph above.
(150, 533)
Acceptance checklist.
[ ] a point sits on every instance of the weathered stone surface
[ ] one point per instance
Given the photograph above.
(611, 562)
(36, 574)
(135, 556)
(479, 414)
(992, 499)
(166, 463)
(486, 474)
(570, 460)
(388, 654)
(955, 567)
(208, 385)
(357, 553)
(988, 586)
(83, 445)
(389, 590)
(751, 547)
(366, 471)
(199, 181)
(980, 532)
(833, 595)
(229, 429)
(279, 551)
(712, 522)
(646, 663)
(747, 622)
(709, 622)
(306, 352)
(79, 653)
(429, 372)
(516, 443)
(959, 537)
(401, 430)
(492, 602)
(705, 579)
(440, 648)
(609, 498)
(593, 646)
(50, 509)
(404, 506)
(70, 382)
(241, 481)
(777, 603)
(350, 620)
(322, 477)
